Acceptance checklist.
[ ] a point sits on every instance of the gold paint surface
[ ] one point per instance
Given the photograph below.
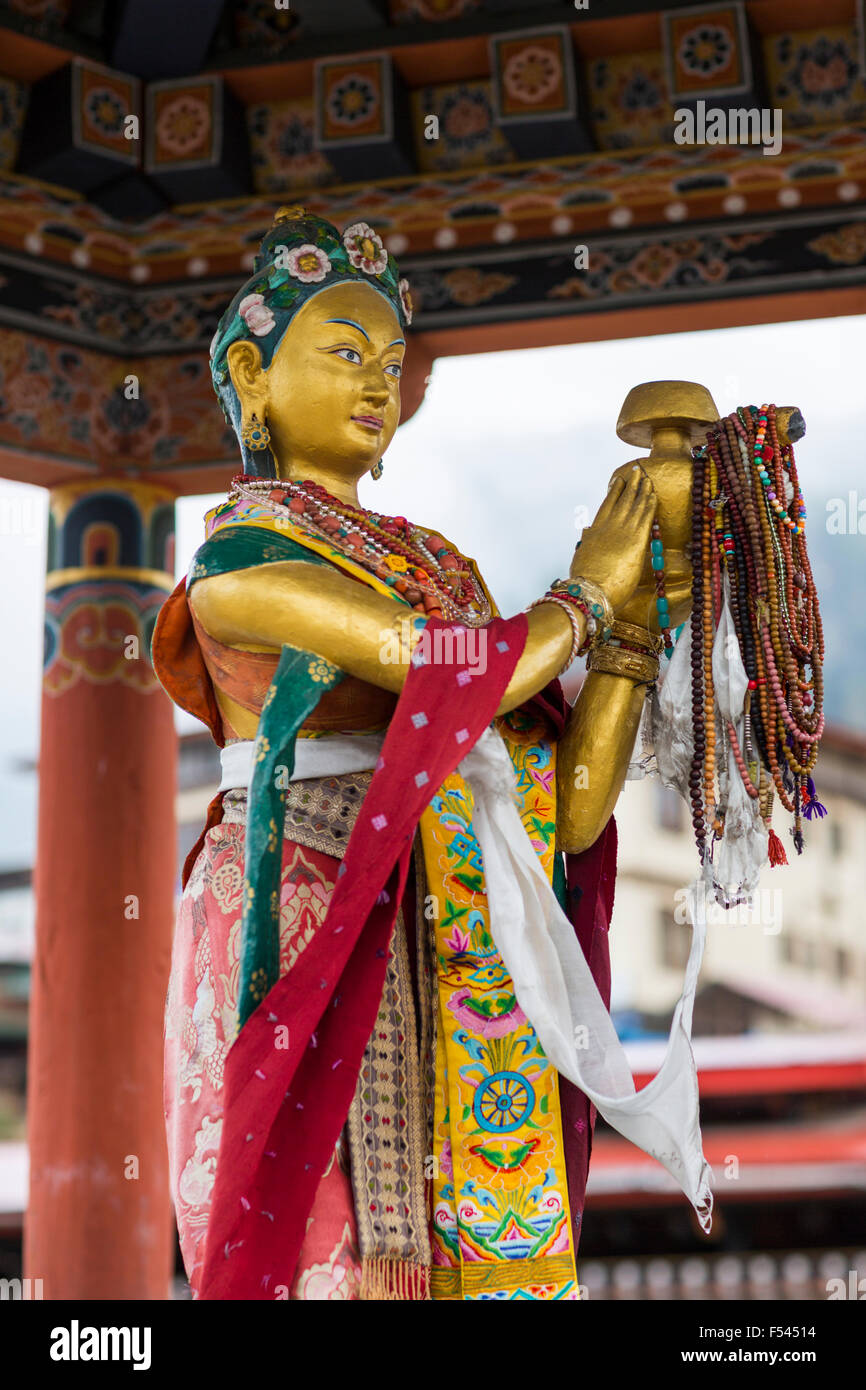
(325, 376)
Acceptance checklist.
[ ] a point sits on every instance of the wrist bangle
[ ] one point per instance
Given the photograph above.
(593, 630)
(572, 618)
(599, 604)
(641, 667)
(630, 635)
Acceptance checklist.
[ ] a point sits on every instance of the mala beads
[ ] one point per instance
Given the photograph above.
(696, 781)
(748, 521)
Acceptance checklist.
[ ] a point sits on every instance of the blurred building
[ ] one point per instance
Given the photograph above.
(780, 1044)
(796, 962)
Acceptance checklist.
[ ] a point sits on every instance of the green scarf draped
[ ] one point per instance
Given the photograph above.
(298, 683)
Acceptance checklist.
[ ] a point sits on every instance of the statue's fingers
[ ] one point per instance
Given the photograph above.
(644, 493)
(614, 493)
(641, 515)
(626, 499)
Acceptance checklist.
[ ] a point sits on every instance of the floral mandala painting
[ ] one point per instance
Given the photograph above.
(183, 124)
(532, 75)
(352, 100)
(105, 111)
(705, 50)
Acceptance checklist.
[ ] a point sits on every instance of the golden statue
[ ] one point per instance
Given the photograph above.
(442, 1152)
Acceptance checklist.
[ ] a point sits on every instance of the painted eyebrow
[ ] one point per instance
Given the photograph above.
(352, 324)
(398, 342)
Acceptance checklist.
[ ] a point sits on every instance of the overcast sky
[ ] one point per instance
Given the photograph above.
(503, 450)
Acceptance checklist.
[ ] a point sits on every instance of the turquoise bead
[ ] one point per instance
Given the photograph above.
(657, 562)
(662, 605)
(656, 547)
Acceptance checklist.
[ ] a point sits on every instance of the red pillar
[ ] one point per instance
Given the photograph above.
(99, 1224)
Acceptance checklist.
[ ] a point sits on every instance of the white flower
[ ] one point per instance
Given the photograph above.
(256, 314)
(405, 300)
(365, 249)
(308, 264)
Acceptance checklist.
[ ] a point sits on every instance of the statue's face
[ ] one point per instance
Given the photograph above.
(334, 382)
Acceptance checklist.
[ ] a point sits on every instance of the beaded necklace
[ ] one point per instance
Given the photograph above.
(748, 521)
(657, 560)
(430, 575)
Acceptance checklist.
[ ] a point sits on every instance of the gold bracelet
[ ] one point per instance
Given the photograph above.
(634, 636)
(598, 601)
(572, 618)
(641, 667)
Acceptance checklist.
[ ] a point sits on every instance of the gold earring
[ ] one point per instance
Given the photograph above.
(377, 470)
(255, 435)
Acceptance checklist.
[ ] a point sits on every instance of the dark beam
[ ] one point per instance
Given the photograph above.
(14, 26)
(476, 24)
(160, 38)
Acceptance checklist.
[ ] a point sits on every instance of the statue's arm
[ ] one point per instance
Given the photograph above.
(593, 756)
(321, 610)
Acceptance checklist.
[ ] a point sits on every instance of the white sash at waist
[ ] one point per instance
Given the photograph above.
(314, 757)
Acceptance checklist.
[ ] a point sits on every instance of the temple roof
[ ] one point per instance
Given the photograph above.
(543, 174)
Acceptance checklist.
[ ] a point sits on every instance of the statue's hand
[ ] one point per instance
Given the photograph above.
(612, 552)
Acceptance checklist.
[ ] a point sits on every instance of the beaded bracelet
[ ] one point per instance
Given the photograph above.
(572, 618)
(585, 591)
(581, 606)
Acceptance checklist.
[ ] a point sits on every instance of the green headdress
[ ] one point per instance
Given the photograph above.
(301, 255)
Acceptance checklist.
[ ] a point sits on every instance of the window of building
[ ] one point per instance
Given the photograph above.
(675, 939)
(807, 954)
(843, 964)
(669, 808)
(837, 839)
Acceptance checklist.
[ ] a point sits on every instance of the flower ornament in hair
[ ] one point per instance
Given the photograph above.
(309, 264)
(365, 249)
(405, 300)
(256, 315)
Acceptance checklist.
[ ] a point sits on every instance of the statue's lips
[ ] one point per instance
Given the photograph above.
(370, 422)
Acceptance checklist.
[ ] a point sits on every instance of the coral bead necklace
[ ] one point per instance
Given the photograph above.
(428, 574)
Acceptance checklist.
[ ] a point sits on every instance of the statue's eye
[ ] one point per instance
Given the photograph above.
(394, 369)
(350, 354)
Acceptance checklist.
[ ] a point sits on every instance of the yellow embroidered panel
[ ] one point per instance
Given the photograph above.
(501, 1219)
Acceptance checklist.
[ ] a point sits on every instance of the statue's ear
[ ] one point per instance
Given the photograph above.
(245, 368)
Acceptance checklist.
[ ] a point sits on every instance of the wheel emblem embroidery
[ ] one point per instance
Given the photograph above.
(503, 1102)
